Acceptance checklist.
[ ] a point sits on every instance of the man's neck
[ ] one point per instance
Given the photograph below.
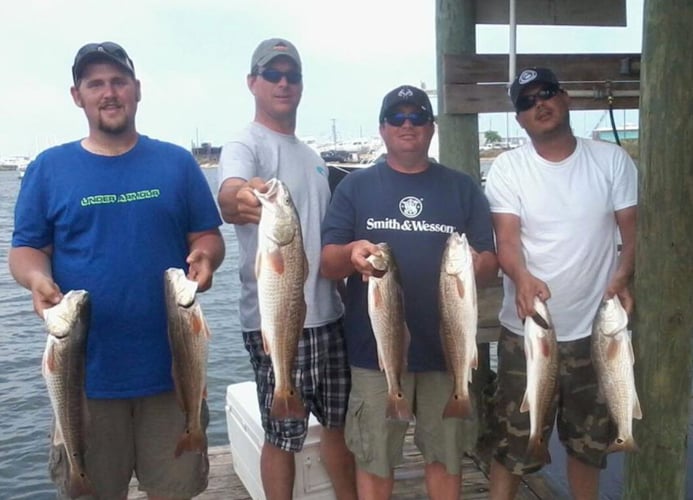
(556, 148)
(286, 126)
(109, 144)
(408, 164)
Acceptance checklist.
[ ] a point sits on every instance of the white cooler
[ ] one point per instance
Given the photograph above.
(246, 438)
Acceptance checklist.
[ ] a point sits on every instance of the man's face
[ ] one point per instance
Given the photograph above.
(277, 99)
(109, 96)
(407, 137)
(550, 112)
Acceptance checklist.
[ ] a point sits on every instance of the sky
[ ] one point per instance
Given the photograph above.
(192, 57)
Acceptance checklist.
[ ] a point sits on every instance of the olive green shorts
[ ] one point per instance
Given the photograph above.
(140, 435)
(377, 442)
(580, 413)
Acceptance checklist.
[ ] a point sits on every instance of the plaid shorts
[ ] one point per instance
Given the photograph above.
(581, 415)
(321, 373)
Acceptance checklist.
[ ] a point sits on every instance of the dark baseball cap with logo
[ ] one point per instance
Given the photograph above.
(406, 94)
(530, 76)
(103, 51)
(271, 48)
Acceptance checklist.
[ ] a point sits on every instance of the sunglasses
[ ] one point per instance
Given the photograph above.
(275, 76)
(526, 102)
(417, 119)
(109, 47)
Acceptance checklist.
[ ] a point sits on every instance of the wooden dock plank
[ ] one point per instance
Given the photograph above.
(409, 480)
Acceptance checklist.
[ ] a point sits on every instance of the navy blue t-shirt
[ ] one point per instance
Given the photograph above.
(414, 214)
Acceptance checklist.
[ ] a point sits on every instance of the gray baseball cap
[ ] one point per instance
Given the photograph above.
(271, 48)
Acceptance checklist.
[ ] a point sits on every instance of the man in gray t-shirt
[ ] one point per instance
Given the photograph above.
(268, 148)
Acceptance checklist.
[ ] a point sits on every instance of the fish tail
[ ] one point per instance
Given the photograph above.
(79, 484)
(538, 449)
(458, 406)
(287, 404)
(623, 444)
(191, 440)
(398, 408)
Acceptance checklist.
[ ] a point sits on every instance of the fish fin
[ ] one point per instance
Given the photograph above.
(79, 484)
(48, 364)
(398, 408)
(196, 323)
(276, 261)
(204, 392)
(377, 297)
(545, 347)
(57, 438)
(265, 342)
(475, 360)
(458, 406)
(287, 404)
(613, 348)
(258, 265)
(630, 350)
(529, 352)
(460, 286)
(191, 440)
(524, 406)
(637, 411)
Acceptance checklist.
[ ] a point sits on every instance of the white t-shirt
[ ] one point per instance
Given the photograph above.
(568, 228)
(260, 152)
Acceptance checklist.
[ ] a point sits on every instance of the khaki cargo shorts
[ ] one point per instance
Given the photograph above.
(581, 416)
(377, 442)
(140, 435)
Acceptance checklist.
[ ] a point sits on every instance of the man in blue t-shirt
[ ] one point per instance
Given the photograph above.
(414, 205)
(109, 214)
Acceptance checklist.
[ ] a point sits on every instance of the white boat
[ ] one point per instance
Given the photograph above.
(15, 162)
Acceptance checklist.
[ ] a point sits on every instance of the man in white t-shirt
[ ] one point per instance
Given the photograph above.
(265, 149)
(561, 205)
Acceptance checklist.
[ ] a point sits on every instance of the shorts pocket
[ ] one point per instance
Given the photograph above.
(356, 431)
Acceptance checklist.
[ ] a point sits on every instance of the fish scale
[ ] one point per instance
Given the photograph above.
(281, 270)
(63, 369)
(612, 356)
(458, 322)
(188, 336)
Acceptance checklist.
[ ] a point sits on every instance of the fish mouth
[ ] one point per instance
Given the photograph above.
(541, 321)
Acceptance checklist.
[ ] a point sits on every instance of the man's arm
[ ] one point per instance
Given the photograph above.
(237, 201)
(207, 252)
(31, 268)
(626, 220)
(512, 262)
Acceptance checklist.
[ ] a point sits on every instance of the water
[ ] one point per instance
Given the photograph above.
(24, 406)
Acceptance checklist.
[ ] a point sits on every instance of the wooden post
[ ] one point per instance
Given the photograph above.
(663, 327)
(458, 135)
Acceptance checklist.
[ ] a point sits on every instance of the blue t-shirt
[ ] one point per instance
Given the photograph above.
(116, 224)
(414, 214)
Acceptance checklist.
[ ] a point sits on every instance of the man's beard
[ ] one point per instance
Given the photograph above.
(113, 128)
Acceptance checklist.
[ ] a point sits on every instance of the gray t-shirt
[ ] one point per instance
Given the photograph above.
(260, 152)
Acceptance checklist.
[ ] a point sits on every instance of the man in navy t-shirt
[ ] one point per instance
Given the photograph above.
(414, 205)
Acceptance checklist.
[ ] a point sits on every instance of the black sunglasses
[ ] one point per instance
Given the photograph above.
(293, 77)
(108, 47)
(417, 119)
(526, 102)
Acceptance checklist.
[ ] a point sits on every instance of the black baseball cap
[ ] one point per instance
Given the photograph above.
(530, 76)
(406, 94)
(104, 51)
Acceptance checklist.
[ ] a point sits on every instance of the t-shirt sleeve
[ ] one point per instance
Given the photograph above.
(237, 159)
(499, 191)
(204, 214)
(338, 224)
(625, 182)
(480, 225)
(32, 227)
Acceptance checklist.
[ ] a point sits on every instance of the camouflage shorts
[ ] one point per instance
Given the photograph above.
(580, 412)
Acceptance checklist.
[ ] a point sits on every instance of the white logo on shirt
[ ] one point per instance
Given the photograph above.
(410, 206)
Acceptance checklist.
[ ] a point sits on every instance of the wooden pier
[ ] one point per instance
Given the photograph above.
(409, 485)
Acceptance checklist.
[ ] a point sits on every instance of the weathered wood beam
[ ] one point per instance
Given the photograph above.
(663, 327)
